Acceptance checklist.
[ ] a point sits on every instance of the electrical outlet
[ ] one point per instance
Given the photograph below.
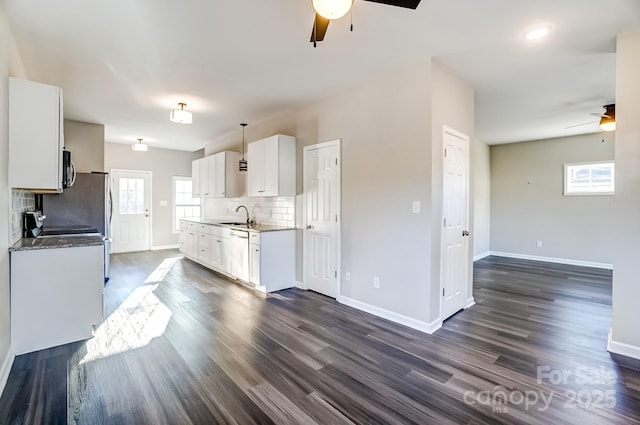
(376, 282)
(539, 244)
(416, 207)
(347, 276)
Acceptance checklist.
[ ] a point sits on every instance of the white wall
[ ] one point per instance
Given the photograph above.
(385, 124)
(10, 65)
(452, 105)
(85, 141)
(626, 218)
(164, 164)
(482, 199)
(528, 205)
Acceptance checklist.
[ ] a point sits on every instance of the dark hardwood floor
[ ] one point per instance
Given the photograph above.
(182, 345)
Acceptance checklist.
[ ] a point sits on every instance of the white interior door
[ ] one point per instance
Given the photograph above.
(455, 199)
(321, 210)
(131, 210)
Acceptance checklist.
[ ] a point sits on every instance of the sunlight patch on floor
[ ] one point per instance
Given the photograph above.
(141, 318)
(161, 271)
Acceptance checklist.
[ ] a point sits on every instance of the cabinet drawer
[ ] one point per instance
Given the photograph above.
(254, 238)
(205, 228)
(182, 225)
(192, 226)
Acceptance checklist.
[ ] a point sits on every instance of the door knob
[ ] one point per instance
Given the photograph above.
(465, 233)
(308, 226)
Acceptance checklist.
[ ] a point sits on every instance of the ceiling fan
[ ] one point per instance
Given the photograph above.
(607, 120)
(327, 10)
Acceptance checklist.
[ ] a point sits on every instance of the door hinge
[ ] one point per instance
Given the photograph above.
(445, 222)
(335, 273)
(336, 218)
(445, 153)
(336, 161)
(443, 292)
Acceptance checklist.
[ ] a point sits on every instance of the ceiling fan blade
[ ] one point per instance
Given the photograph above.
(600, 115)
(319, 29)
(580, 125)
(409, 4)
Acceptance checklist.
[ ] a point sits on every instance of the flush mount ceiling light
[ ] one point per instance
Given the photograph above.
(243, 162)
(538, 33)
(332, 9)
(608, 119)
(180, 115)
(139, 147)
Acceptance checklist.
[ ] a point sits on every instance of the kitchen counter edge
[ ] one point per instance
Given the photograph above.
(30, 244)
(261, 228)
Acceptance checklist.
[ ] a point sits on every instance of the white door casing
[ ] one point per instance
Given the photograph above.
(455, 221)
(131, 228)
(321, 234)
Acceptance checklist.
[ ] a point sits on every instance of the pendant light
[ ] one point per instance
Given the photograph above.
(243, 162)
(180, 115)
(139, 147)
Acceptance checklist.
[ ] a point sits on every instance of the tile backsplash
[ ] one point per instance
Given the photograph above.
(21, 201)
(278, 211)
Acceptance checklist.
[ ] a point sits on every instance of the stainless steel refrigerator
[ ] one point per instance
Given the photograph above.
(85, 206)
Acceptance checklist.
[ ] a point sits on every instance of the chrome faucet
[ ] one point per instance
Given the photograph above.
(249, 220)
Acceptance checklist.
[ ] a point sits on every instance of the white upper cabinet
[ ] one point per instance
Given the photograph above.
(36, 137)
(195, 178)
(217, 176)
(272, 166)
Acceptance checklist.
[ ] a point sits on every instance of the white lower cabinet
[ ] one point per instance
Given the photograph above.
(58, 301)
(265, 259)
(272, 260)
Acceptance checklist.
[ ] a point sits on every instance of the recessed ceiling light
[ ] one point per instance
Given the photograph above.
(538, 33)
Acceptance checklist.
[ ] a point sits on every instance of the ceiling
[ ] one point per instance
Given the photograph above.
(125, 64)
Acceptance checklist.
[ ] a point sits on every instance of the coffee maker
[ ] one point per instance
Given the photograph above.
(32, 224)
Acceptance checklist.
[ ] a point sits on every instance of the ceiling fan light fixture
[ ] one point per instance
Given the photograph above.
(139, 147)
(608, 120)
(538, 33)
(332, 9)
(180, 115)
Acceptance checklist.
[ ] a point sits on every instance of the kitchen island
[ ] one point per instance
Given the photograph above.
(57, 290)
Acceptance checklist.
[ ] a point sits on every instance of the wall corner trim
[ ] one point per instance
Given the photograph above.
(6, 369)
(418, 325)
(300, 285)
(622, 348)
(581, 263)
(162, 247)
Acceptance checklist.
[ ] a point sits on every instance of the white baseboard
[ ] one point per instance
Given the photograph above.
(553, 260)
(390, 315)
(470, 303)
(163, 247)
(481, 256)
(6, 369)
(622, 348)
(300, 285)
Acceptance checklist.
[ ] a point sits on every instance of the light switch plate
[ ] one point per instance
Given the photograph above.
(164, 203)
(416, 207)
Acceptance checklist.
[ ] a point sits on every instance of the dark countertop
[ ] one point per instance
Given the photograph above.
(52, 242)
(258, 228)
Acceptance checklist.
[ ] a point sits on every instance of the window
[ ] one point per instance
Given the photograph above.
(589, 178)
(131, 195)
(184, 204)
